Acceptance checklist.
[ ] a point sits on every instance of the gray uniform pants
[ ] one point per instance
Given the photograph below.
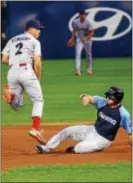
(78, 51)
(24, 78)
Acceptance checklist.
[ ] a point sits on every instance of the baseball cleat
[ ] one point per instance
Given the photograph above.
(89, 73)
(70, 149)
(78, 73)
(42, 149)
(37, 134)
(7, 95)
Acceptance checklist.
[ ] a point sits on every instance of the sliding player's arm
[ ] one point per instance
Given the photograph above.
(97, 101)
(127, 125)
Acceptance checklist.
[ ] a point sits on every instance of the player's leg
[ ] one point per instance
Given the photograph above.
(32, 86)
(77, 133)
(86, 147)
(88, 50)
(17, 101)
(78, 50)
(93, 143)
(90, 146)
(13, 93)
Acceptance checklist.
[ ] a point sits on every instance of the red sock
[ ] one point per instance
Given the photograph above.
(12, 96)
(36, 122)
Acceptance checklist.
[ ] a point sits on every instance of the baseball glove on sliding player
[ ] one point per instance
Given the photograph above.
(71, 42)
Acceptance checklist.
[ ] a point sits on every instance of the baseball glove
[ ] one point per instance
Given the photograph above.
(71, 42)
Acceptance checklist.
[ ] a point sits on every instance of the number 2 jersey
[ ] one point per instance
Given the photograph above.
(22, 49)
(110, 119)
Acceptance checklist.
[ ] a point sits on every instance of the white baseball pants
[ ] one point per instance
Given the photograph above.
(89, 139)
(24, 78)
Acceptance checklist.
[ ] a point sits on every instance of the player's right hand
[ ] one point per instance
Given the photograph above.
(84, 99)
(71, 42)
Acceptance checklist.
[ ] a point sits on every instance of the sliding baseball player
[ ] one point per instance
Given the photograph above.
(111, 115)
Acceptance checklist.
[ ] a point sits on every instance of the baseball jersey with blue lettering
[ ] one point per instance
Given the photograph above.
(22, 49)
(110, 119)
(81, 28)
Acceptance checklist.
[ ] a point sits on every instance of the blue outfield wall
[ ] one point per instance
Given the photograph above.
(111, 20)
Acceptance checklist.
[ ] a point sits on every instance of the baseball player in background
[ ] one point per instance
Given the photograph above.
(110, 116)
(22, 53)
(81, 38)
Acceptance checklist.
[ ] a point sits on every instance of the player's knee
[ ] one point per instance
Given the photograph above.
(78, 149)
(78, 57)
(42, 100)
(38, 98)
(69, 131)
(83, 147)
(89, 55)
(65, 133)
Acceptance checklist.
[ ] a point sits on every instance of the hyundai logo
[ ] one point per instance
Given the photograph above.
(112, 23)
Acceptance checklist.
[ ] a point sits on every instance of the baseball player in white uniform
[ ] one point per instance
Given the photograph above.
(81, 36)
(22, 53)
(111, 115)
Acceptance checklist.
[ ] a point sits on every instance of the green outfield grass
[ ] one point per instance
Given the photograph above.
(62, 89)
(120, 172)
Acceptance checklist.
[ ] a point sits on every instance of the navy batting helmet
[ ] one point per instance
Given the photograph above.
(115, 93)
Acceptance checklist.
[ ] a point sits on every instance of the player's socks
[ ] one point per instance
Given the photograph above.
(36, 122)
(12, 96)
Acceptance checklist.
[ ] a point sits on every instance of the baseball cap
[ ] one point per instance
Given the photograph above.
(34, 24)
(82, 12)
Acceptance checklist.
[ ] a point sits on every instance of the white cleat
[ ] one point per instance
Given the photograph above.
(37, 134)
(89, 72)
(42, 149)
(78, 73)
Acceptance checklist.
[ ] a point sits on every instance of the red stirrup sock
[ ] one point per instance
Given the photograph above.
(12, 96)
(36, 122)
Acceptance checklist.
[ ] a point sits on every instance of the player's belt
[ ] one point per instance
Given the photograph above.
(22, 64)
(18, 65)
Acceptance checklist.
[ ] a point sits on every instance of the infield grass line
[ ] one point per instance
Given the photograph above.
(120, 172)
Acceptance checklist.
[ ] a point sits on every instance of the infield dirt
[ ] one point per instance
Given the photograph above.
(18, 149)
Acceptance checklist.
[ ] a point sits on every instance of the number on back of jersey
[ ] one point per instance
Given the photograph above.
(19, 46)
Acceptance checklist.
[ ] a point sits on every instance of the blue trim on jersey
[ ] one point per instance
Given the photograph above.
(125, 116)
(125, 119)
(99, 101)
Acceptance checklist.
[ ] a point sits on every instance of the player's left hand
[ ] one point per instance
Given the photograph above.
(71, 42)
(84, 99)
